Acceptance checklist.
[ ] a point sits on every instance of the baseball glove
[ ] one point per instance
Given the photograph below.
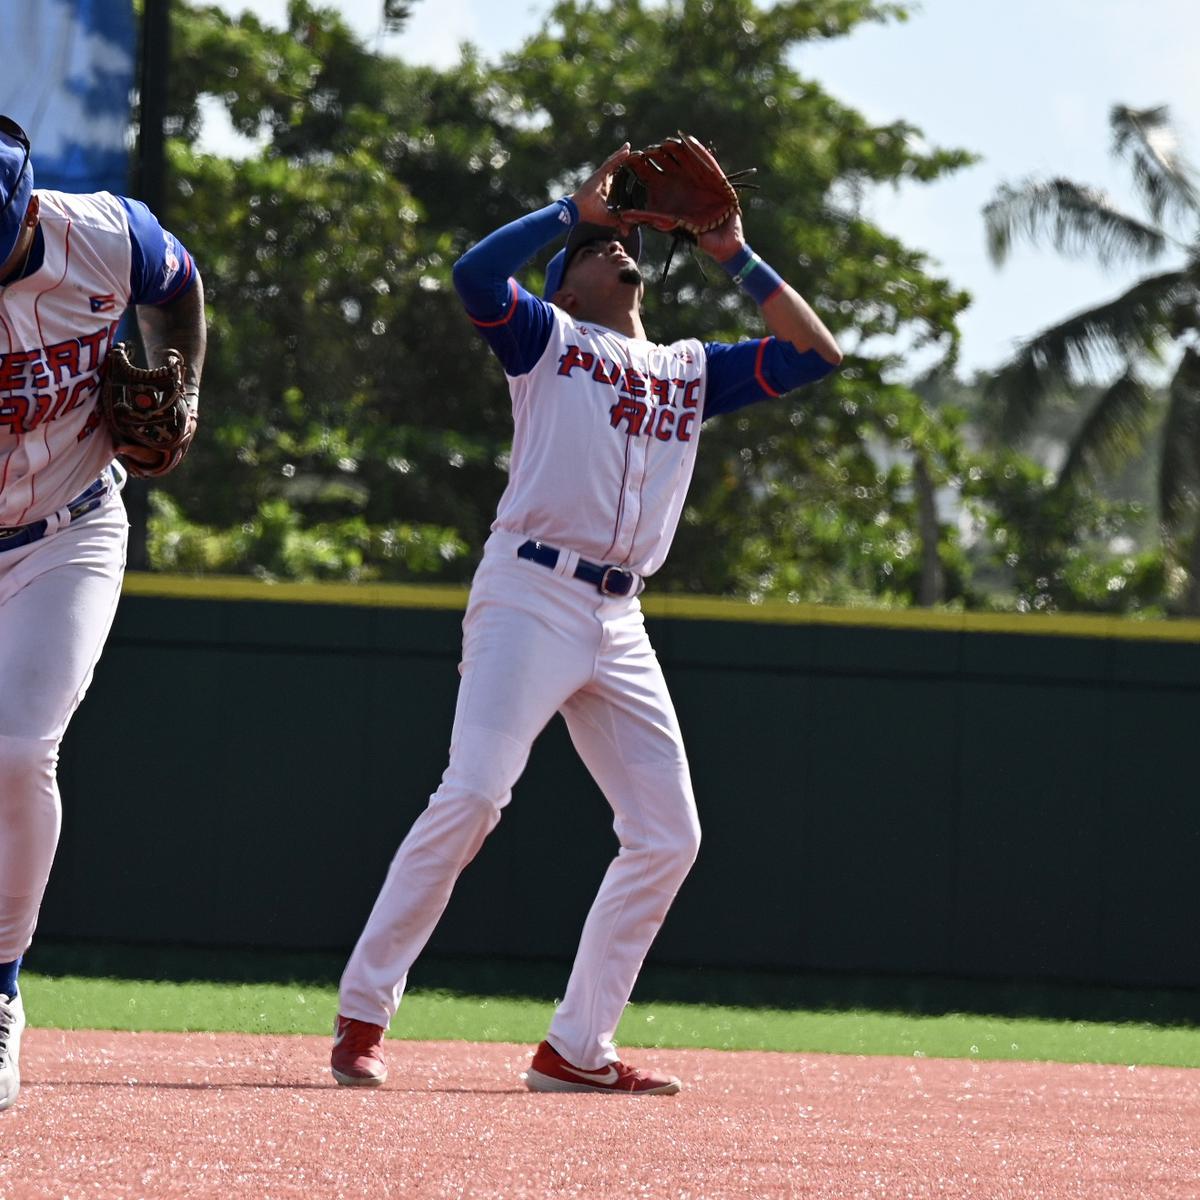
(676, 186)
(147, 410)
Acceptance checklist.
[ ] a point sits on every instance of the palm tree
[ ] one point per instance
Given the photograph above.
(1131, 332)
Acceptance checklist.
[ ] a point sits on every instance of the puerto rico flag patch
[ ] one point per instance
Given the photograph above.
(102, 304)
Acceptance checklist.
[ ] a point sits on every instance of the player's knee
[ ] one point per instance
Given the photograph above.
(668, 819)
(449, 832)
(484, 765)
(27, 768)
(682, 841)
(690, 842)
(669, 845)
(472, 792)
(465, 807)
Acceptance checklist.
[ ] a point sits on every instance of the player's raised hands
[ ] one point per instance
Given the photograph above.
(591, 199)
(726, 240)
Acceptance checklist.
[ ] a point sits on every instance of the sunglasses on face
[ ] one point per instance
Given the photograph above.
(9, 128)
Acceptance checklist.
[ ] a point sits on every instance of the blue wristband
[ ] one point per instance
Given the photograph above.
(742, 262)
(759, 281)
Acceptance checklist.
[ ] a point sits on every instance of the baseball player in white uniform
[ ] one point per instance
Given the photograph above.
(69, 267)
(607, 424)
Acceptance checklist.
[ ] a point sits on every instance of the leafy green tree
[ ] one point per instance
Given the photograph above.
(1043, 546)
(1129, 334)
(789, 497)
(353, 419)
(1028, 541)
(342, 383)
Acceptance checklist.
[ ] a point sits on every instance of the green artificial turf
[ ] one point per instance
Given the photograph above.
(88, 1002)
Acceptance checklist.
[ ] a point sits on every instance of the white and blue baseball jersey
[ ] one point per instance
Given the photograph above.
(93, 256)
(606, 429)
(606, 426)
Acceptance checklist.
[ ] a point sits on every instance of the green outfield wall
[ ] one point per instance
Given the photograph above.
(928, 793)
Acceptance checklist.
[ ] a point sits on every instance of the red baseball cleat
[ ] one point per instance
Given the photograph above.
(357, 1058)
(550, 1072)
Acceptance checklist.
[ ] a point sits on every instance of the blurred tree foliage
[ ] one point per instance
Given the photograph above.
(356, 427)
(1129, 336)
(1027, 539)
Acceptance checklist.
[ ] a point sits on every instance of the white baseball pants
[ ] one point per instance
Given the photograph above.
(535, 642)
(58, 596)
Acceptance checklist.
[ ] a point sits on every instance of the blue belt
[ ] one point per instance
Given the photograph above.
(609, 581)
(89, 499)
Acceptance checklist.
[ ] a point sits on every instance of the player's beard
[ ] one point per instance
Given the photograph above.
(631, 276)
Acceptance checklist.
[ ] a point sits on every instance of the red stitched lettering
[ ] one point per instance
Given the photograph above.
(80, 392)
(573, 358)
(92, 342)
(12, 369)
(631, 411)
(635, 383)
(41, 410)
(63, 359)
(60, 401)
(601, 375)
(39, 376)
(13, 412)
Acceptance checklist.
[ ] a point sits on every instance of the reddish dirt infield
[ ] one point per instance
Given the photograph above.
(214, 1115)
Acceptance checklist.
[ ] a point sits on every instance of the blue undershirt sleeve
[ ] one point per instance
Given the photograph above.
(747, 372)
(161, 268)
(514, 322)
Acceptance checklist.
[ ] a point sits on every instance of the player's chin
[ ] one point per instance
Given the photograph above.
(631, 276)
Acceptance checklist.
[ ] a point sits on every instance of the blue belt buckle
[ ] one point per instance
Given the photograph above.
(608, 581)
(624, 577)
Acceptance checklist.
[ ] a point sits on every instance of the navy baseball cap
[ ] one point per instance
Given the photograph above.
(16, 183)
(582, 233)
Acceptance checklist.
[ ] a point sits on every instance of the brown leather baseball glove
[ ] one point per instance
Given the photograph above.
(676, 186)
(147, 411)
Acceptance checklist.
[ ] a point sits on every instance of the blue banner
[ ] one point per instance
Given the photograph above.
(67, 79)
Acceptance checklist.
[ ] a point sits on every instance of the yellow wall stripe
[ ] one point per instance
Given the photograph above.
(695, 608)
(240, 587)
